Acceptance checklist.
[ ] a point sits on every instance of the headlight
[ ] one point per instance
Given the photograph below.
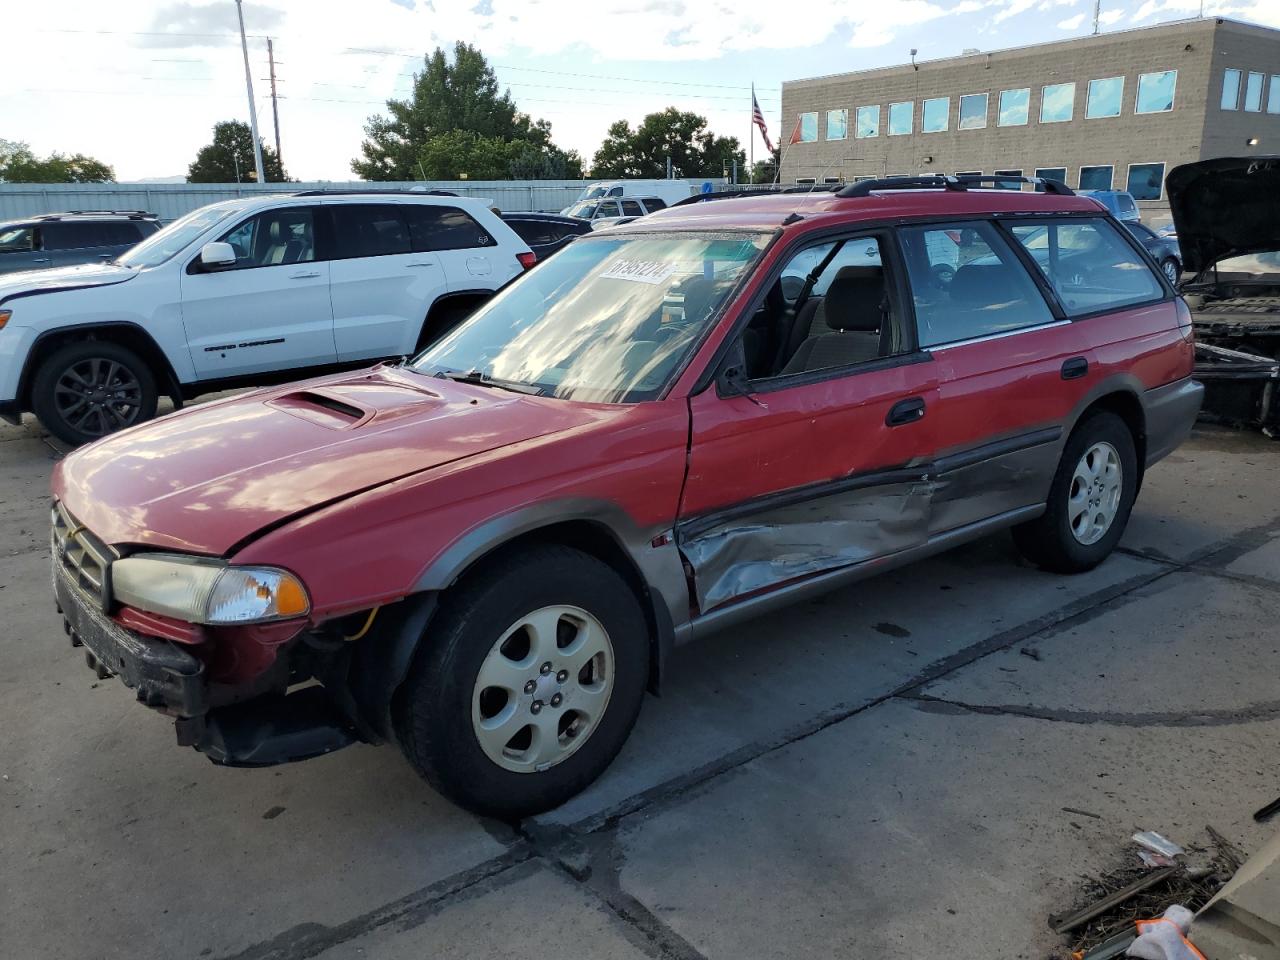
(201, 591)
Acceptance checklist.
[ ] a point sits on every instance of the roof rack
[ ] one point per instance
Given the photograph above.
(864, 188)
(760, 192)
(348, 193)
(131, 214)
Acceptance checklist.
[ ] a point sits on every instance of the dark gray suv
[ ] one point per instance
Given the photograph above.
(65, 239)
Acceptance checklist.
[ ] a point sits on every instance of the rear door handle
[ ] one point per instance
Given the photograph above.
(1075, 368)
(40, 260)
(427, 263)
(905, 411)
(304, 276)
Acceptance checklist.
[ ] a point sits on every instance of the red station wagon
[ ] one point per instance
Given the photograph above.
(486, 554)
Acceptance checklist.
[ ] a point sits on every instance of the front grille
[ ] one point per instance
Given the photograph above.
(85, 558)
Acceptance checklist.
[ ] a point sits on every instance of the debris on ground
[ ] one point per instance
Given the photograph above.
(1243, 919)
(1266, 813)
(1110, 903)
(1157, 844)
(1165, 937)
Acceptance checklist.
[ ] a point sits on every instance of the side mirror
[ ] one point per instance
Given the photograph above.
(217, 254)
(731, 377)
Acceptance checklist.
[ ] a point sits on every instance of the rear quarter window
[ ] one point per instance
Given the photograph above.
(444, 228)
(1089, 265)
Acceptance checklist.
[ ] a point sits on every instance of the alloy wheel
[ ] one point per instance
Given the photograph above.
(1171, 271)
(543, 688)
(1094, 497)
(97, 396)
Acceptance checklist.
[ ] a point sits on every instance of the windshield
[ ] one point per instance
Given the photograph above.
(608, 319)
(584, 210)
(1252, 265)
(173, 239)
(591, 193)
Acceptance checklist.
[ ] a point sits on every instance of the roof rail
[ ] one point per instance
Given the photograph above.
(758, 192)
(361, 193)
(131, 214)
(864, 188)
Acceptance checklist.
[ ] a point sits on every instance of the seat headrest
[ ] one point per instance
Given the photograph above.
(275, 231)
(698, 292)
(984, 283)
(855, 299)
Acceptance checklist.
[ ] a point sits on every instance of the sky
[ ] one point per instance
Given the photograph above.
(140, 84)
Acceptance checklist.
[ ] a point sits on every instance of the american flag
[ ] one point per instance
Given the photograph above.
(758, 119)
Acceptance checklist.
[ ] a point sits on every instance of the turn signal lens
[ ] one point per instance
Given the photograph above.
(254, 594)
(4, 317)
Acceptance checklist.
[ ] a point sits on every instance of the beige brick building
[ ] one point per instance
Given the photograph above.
(1112, 111)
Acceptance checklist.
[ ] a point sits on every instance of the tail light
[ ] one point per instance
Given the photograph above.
(527, 260)
(1185, 325)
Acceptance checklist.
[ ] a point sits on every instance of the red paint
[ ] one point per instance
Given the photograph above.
(359, 506)
(158, 625)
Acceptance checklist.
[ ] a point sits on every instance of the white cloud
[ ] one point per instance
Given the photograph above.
(1071, 23)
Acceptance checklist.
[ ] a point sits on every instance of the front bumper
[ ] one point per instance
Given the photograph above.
(1171, 412)
(161, 673)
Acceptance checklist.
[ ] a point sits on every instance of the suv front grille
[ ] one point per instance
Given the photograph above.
(85, 558)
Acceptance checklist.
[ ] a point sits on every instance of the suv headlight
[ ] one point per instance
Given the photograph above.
(207, 592)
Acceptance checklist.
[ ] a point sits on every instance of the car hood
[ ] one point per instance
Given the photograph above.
(1225, 208)
(209, 478)
(27, 282)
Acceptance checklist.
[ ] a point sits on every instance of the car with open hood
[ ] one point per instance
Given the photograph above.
(1228, 227)
(486, 554)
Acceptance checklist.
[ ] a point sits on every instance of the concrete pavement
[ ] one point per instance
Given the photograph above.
(881, 772)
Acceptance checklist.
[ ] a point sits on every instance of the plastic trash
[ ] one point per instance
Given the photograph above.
(1157, 844)
(1165, 937)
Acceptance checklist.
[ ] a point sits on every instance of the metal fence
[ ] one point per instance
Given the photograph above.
(171, 200)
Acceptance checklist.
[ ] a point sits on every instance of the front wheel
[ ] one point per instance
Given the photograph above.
(1089, 500)
(1172, 271)
(90, 388)
(527, 684)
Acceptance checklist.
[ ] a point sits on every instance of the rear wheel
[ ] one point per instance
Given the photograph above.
(1089, 501)
(1170, 268)
(528, 683)
(89, 389)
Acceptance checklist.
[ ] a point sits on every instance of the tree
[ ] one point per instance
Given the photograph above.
(683, 136)
(19, 165)
(766, 171)
(229, 159)
(458, 106)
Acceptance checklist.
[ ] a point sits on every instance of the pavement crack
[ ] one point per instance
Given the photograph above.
(1258, 713)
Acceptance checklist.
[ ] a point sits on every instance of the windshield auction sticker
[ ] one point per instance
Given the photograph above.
(641, 271)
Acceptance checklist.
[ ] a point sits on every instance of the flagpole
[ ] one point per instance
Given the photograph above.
(751, 149)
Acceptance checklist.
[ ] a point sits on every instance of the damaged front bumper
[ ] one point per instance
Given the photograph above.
(1241, 388)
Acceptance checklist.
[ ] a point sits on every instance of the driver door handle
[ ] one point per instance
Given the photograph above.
(307, 275)
(425, 263)
(905, 411)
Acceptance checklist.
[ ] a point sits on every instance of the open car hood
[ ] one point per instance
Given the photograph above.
(1225, 208)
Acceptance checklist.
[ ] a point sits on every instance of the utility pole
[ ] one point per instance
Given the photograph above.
(1097, 14)
(253, 110)
(275, 110)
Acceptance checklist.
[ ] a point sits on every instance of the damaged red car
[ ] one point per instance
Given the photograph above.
(486, 554)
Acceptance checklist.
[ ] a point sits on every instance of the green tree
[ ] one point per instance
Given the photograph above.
(683, 136)
(458, 105)
(765, 171)
(229, 159)
(19, 165)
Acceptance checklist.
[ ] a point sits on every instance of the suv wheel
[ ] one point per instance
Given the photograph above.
(528, 683)
(86, 390)
(1089, 501)
(1172, 271)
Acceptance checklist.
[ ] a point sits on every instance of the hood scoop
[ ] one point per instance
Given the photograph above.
(323, 409)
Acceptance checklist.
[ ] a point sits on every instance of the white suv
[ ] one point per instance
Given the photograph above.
(244, 292)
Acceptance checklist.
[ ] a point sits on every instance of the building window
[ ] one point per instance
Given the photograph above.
(860, 179)
(806, 181)
(1104, 98)
(1155, 92)
(837, 124)
(1253, 93)
(1146, 180)
(935, 115)
(1008, 184)
(1057, 103)
(900, 118)
(1015, 106)
(1231, 90)
(969, 173)
(1095, 178)
(1050, 173)
(868, 122)
(831, 180)
(1273, 95)
(808, 127)
(973, 111)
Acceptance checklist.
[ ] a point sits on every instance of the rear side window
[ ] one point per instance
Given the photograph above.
(631, 208)
(1089, 265)
(655, 203)
(368, 230)
(444, 228)
(73, 236)
(535, 231)
(120, 234)
(967, 283)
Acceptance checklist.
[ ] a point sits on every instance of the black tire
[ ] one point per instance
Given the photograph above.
(1048, 541)
(123, 393)
(433, 709)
